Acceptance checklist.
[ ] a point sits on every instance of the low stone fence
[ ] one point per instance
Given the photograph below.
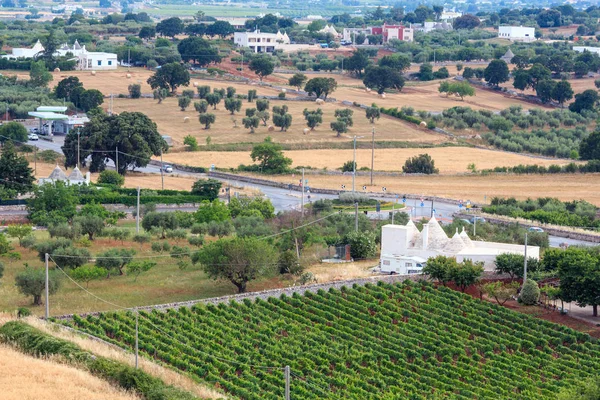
(265, 294)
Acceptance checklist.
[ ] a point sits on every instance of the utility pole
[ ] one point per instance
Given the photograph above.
(117, 158)
(137, 213)
(431, 208)
(474, 226)
(525, 261)
(128, 59)
(372, 155)
(78, 166)
(287, 382)
(242, 65)
(35, 159)
(136, 338)
(356, 216)
(393, 207)
(354, 165)
(162, 171)
(47, 288)
(302, 187)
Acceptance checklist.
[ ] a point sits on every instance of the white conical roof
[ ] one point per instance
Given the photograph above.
(466, 239)
(76, 45)
(413, 233)
(455, 244)
(509, 55)
(58, 174)
(76, 175)
(437, 239)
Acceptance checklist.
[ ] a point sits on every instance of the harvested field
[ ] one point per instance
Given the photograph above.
(170, 120)
(449, 160)
(26, 378)
(473, 187)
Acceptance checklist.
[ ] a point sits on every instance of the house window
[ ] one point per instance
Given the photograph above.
(408, 265)
(89, 63)
(386, 262)
(99, 62)
(109, 62)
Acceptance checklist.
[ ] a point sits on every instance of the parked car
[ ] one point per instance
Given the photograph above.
(168, 169)
(535, 229)
(34, 130)
(466, 221)
(32, 136)
(477, 219)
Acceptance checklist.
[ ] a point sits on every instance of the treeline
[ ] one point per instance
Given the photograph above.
(571, 168)
(563, 143)
(547, 210)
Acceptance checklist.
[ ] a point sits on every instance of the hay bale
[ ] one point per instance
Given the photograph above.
(195, 84)
(306, 131)
(423, 124)
(186, 120)
(319, 101)
(128, 76)
(271, 128)
(382, 95)
(93, 73)
(283, 90)
(368, 90)
(56, 69)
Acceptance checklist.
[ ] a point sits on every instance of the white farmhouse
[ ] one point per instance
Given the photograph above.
(261, 42)
(86, 60)
(517, 33)
(405, 249)
(581, 49)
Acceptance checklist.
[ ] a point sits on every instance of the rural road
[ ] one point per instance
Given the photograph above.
(284, 200)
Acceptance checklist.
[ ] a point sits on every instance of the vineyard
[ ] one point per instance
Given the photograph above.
(384, 341)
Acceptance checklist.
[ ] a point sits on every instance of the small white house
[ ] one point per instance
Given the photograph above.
(261, 42)
(581, 49)
(517, 33)
(405, 249)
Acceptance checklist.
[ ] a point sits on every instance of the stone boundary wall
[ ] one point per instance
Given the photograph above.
(265, 294)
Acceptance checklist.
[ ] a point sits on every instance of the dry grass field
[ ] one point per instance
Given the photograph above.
(170, 121)
(26, 378)
(449, 160)
(473, 187)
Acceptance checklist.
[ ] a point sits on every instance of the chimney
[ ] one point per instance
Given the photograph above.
(425, 235)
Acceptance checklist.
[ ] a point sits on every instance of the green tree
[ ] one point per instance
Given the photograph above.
(13, 131)
(358, 62)
(426, 72)
(500, 291)
(440, 268)
(203, 91)
(338, 127)
(111, 177)
(89, 99)
(262, 65)
(297, 80)
(115, 259)
(251, 206)
(199, 51)
(88, 273)
(579, 274)
(201, 106)
(135, 90)
(191, 142)
(270, 157)
(215, 210)
(562, 92)
(220, 28)
(15, 174)
(320, 87)
(496, 72)
(238, 260)
(183, 102)
(207, 119)
(39, 75)
(362, 244)
(466, 273)
(349, 166)
(313, 118)
(372, 113)
(170, 27)
(51, 203)
(382, 78)
(466, 21)
(160, 94)
(147, 32)
(530, 294)
(585, 100)
(90, 225)
(170, 76)
(589, 148)
(545, 89)
(251, 123)
(344, 115)
(588, 389)
(132, 133)
(19, 231)
(67, 87)
(399, 62)
(232, 105)
(161, 221)
(421, 164)
(213, 99)
(136, 268)
(283, 121)
(208, 188)
(262, 105)
(32, 282)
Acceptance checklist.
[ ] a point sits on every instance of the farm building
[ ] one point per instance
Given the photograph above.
(261, 42)
(389, 32)
(581, 49)
(405, 249)
(86, 60)
(517, 33)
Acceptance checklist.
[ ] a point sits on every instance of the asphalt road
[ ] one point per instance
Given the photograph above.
(286, 200)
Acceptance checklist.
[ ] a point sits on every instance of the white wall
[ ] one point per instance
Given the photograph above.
(581, 49)
(519, 33)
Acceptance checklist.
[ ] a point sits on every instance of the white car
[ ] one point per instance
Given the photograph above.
(32, 136)
(168, 169)
(535, 229)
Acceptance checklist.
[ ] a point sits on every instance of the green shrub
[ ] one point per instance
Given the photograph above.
(110, 177)
(530, 293)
